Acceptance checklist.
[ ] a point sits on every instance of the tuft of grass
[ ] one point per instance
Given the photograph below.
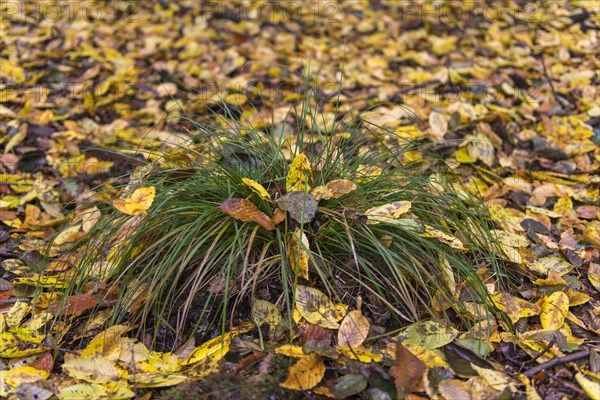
(187, 267)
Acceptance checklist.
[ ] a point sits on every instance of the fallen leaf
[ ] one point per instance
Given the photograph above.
(298, 253)
(215, 349)
(554, 309)
(437, 126)
(305, 374)
(138, 203)
(353, 330)
(302, 207)
(407, 371)
(388, 212)
(315, 307)
(244, 210)
(298, 175)
(257, 188)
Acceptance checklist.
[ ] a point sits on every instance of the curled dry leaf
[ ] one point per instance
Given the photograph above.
(244, 210)
(354, 329)
(305, 374)
(334, 189)
(138, 203)
(298, 253)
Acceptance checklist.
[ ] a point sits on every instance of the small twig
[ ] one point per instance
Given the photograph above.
(562, 102)
(556, 362)
(541, 353)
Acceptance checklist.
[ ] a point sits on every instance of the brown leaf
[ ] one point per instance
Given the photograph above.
(407, 371)
(246, 211)
(74, 305)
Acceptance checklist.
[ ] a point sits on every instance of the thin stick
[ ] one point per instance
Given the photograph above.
(556, 361)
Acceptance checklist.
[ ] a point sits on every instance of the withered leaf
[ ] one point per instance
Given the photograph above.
(244, 210)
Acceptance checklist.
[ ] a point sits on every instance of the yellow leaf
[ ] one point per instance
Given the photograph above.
(367, 173)
(431, 357)
(215, 349)
(563, 206)
(531, 393)
(257, 188)
(290, 350)
(315, 307)
(16, 314)
(93, 391)
(139, 202)
(10, 379)
(362, 354)
(554, 309)
(298, 254)
(545, 265)
(106, 344)
(322, 193)
(266, 312)
(42, 281)
(354, 329)
(514, 307)
(388, 212)
(443, 237)
(152, 380)
(21, 343)
(591, 387)
(495, 379)
(592, 233)
(298, 175)
(305, 374)
(594, 275)
(429, 334)
(92, 370)
(161, 362)
(11, 71)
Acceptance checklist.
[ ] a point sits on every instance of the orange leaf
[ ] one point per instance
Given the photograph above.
(246, 211)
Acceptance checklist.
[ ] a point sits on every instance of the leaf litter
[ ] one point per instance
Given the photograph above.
(509, 100)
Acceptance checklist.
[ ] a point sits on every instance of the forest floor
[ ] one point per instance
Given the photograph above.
(506, 91)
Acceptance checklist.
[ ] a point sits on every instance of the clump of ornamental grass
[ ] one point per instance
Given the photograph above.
(243, 214)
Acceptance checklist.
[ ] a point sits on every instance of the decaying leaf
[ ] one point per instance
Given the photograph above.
(21, 342)
(92, 370)
(305, 374)
(429, 334)
(244, 210)
(315, 307)
(298, 175)
(354, 329)
(215, 349)
(388, 212)
(298, 253)
(302, 207)
(554, 309)
(266, 312)
(407, 370)
(138, 203)
(334, 189)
